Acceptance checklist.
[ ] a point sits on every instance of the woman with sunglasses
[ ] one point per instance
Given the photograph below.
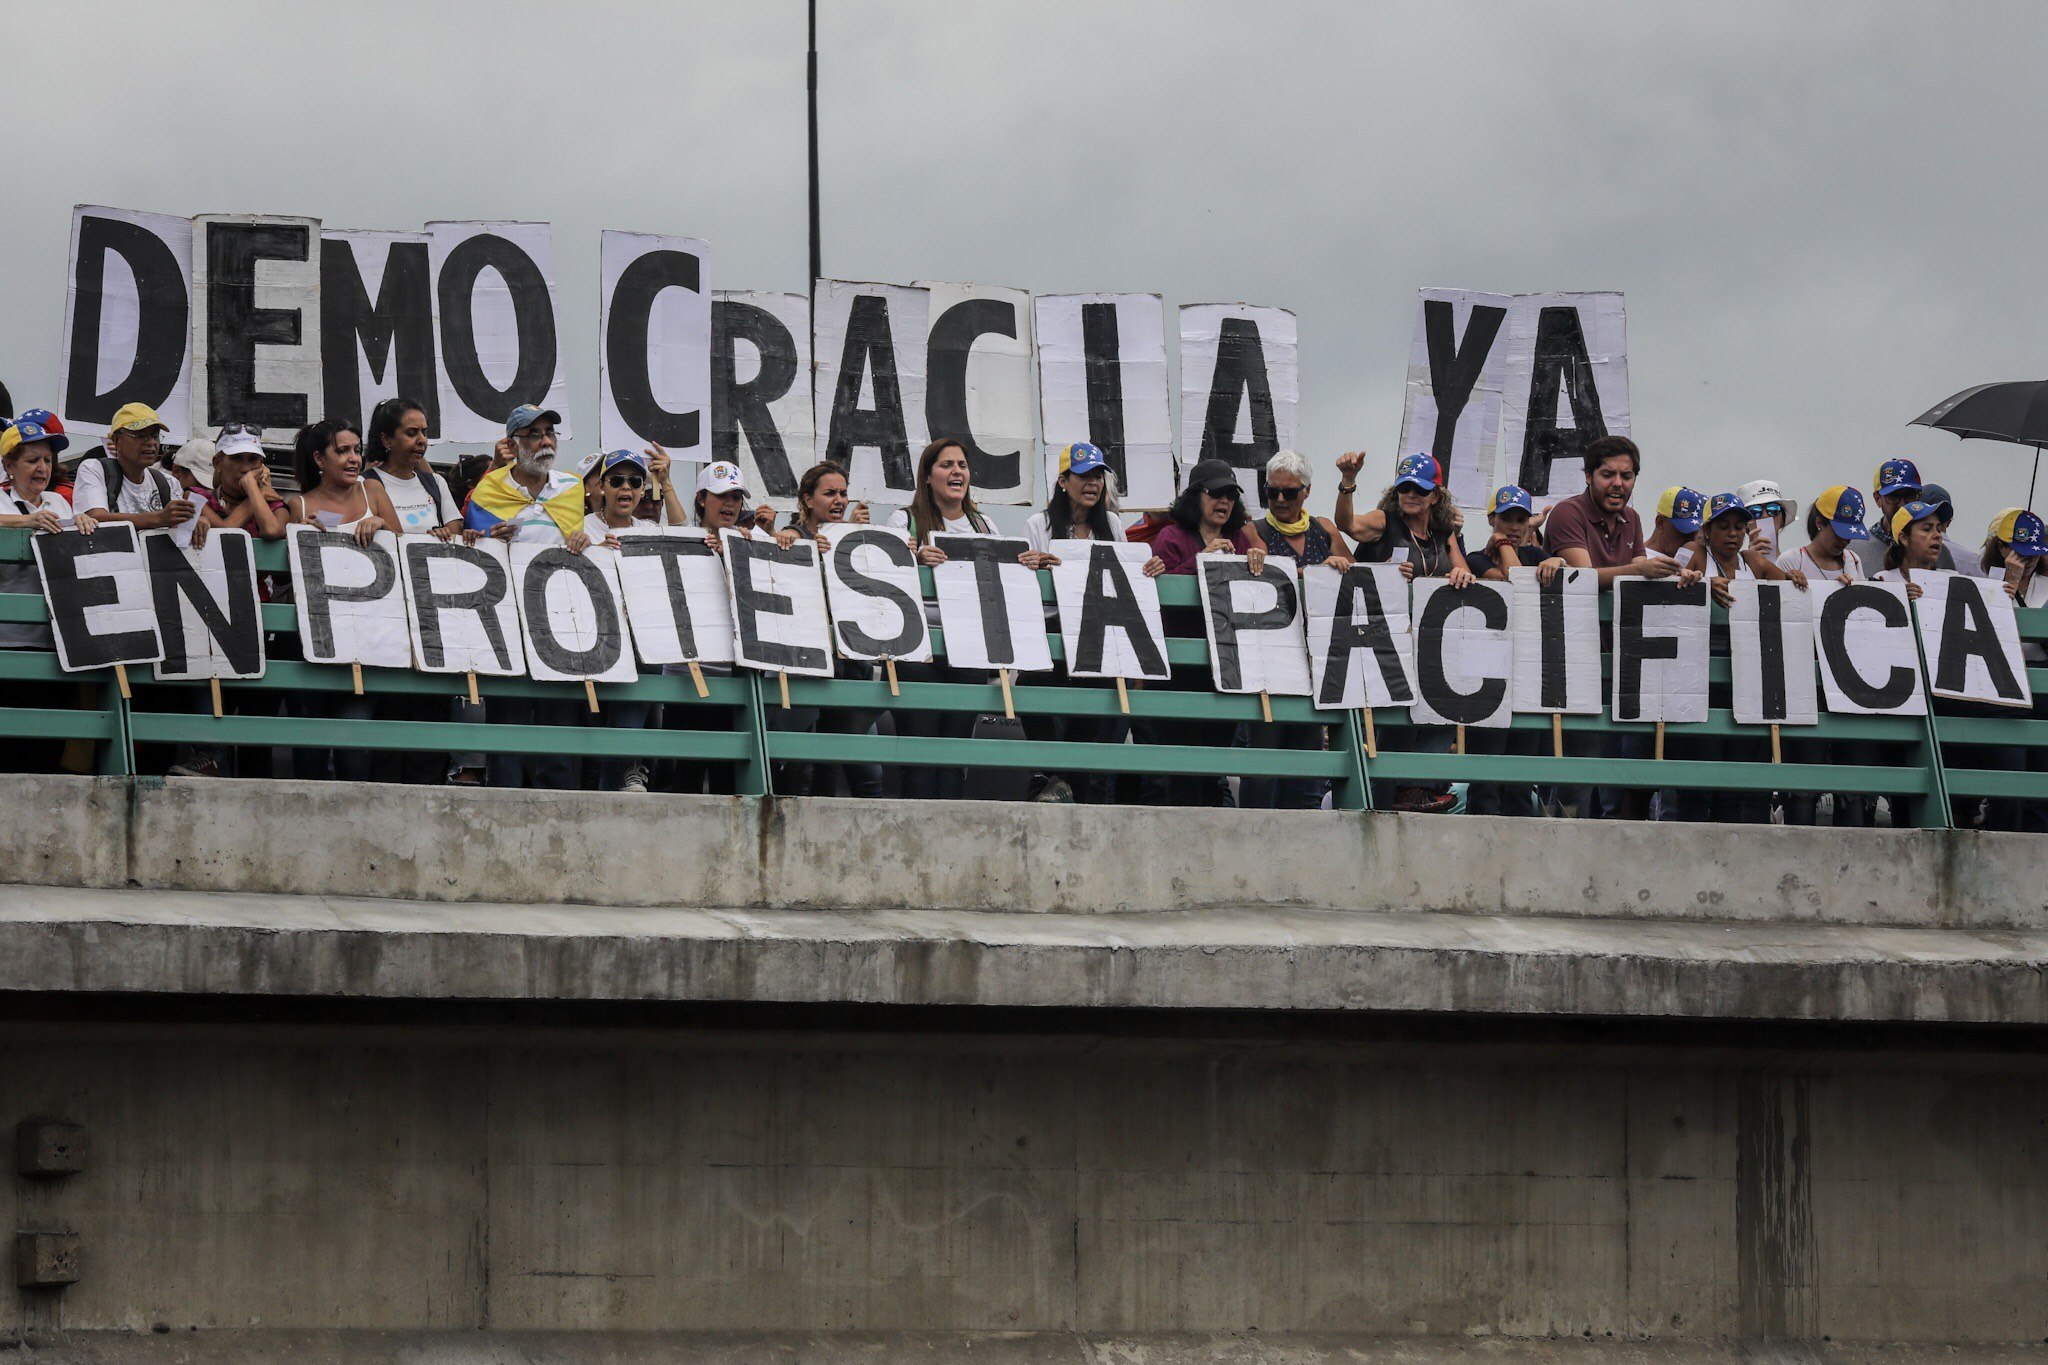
(821, 501)
(1289, 532)
(622, 477)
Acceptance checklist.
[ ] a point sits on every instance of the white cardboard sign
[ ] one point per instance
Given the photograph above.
(1361, 646)
(1771, 658)
(497, 327)
(869, 395)
(989, 605)
(1240, 388)
(677, 607)
(1660, 650)
(1464, 655)
(1258, 640)
(654, 344)
(1102, 379)
(1110, 622)
(569, 614)
(872, 585)
(1557, 642)
(127, 319)
(461, 606)
(1869, 655)
(1457, 368)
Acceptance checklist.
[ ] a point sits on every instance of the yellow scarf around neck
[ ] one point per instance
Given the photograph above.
(1290, 529)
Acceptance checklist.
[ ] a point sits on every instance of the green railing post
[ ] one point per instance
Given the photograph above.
(1355, 791)
(756, 776)
(117, 753)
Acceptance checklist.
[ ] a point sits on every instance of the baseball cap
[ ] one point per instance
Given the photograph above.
(1843, 508)
(1082, 458)
(1512, 495)
(235, 443)
(37, 424)
(612, 459)
(137, 417)
(526, 414)
(1723, 503)
(1758, 494)
(1896, 476)
(1420, 470)
(195, 457)
(2026, 533)
(1684, 508)
(721, 476)
(1936, 494)
(1213, 476)
(1918, 511)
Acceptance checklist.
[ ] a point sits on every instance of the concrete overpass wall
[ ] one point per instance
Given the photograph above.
(1432, 1097)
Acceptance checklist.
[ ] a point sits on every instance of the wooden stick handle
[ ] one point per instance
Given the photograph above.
(590, 693)
(474, 700)
(697, 679)
(782, 680)
(1458, 745)
(1009, 702)
(1123, 697)
(889, 667)
(1660, 741)
(1777, 755)
(1265, 708)
(1372, 743)
(121, 678)
(1556, 734)
(355, 673)
(213, 684)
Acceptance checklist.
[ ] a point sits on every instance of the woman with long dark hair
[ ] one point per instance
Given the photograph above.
(821, 501)
(943, 502)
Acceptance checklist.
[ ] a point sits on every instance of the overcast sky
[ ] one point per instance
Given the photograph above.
(1825, 217)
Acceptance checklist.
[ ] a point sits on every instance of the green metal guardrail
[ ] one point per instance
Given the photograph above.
(731, 725)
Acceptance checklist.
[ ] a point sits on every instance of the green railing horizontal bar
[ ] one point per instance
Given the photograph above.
(2020, 729)
(31, 722)
(1996, 782)
(1073, 699)
(1703, 774)
(296, 675)
(36, 665)
(1719, 723)
(324, 732)
(1060, 756)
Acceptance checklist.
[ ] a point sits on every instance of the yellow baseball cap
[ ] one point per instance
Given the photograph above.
(137, 417)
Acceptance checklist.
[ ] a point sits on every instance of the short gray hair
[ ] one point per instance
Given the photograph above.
(1291, 462)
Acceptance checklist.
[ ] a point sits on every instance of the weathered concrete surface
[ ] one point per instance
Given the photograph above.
(73, 940)
(444, 844)
(520, 1180)
(942, 1348)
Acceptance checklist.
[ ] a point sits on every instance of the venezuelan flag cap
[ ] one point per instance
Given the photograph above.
(1419, 470)
(37, 424)
(1684, 508)
(1843, 508)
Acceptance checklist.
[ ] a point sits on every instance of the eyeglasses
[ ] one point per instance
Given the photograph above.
(242, 429)
(1279, 494)
(1227, 493)
(624, 481)
(1770, 509)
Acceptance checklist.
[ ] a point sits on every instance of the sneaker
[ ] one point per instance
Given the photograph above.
(1423, 800)
(466, 777)
(204, 765)
(636, 781)
(1057, 790)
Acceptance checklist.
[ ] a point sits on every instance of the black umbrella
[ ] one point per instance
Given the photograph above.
(2015, 412)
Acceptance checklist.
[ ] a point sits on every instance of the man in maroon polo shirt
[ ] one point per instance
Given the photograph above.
(1597, 529)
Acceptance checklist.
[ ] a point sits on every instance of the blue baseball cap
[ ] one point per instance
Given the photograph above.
(1420, 470)
(611, 459)
(1723, 503)
(37, 424)
(1843, 508)
(526, 414)
(1082, 458)
(2028, 535)
(1896, 476)
(1510, 496)
(1919, 511)
(1685, 508)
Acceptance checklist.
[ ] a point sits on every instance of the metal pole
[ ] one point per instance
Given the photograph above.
(2034, 478)
(817, 266)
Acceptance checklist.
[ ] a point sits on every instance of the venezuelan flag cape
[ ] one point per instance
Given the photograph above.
(497, 500)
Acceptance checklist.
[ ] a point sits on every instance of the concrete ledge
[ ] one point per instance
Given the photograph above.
(198, 943)
(437, 844)
(260, 1347)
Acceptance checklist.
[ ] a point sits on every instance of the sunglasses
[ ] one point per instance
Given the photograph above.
(1227, 493)
(1769, 509)
(624, 481)
(1279, 494)
(242, 429)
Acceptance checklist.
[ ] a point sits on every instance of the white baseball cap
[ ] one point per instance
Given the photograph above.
(195, 457)
(1759, 492)
(721, 476)
(237, 443)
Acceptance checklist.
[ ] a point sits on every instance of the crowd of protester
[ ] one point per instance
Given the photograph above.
(365, 482)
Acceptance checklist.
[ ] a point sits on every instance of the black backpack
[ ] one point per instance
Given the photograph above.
(117, 479)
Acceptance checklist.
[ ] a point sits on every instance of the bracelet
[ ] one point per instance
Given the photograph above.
(1347, 488)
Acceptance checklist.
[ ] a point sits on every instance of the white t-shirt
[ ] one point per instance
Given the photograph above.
(1742, 570)
(22, 577)
(89, 494)
(413, 502)
(596, 528)
(1038, 530)
(1802, 561)
(49, 501)
(900, 519)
